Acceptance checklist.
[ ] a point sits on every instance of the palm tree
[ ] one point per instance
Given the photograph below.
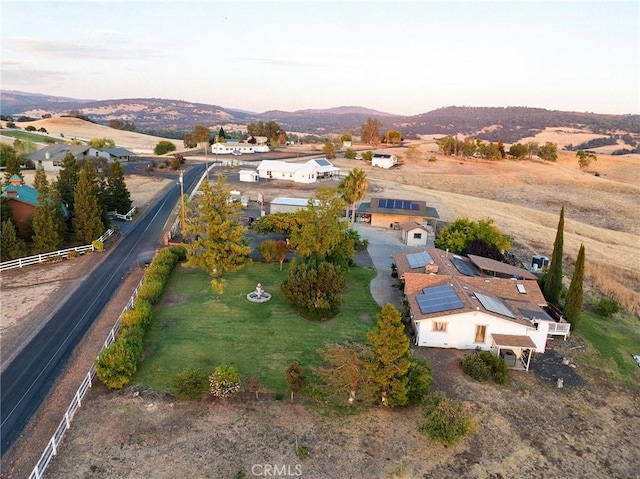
(354, 187)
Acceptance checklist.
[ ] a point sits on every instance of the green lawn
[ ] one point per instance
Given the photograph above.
(195, 327)
(615, 339)
(26, 135)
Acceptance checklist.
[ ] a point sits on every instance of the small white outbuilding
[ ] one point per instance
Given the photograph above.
(249, 176)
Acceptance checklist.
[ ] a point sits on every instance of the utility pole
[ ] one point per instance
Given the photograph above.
(182, 212)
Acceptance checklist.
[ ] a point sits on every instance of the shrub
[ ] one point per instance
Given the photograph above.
(163, 147)
(189, 384)
(116, 365)
(606, 307)
(151, 291)
(268, 250)
(139, 315)
(30, 128)
(73, 254)
(446, 420)
(98, 245)
(475, 366)
(418, 380)
(350, 154)
(132, 338)
(224, 382)
(483, 366)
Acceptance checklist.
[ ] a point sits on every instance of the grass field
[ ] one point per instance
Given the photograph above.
(615, 340)
(195, 327)
(25, 135)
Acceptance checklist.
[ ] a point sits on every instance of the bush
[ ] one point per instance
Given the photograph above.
(189, 384)
(73, 254)
(139, 315)
(224, 382)
(98, 245)
(116, 365)
(446, 420)
(418, 380)
(606, 307)
(350, 154)
(151, 290)
(163, 147)
(483, 366)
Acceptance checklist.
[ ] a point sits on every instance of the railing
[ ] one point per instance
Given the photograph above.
(559, 328)
(52, 446)
(63, 253)
(126, 217)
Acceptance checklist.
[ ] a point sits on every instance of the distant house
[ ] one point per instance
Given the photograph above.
(23, 200)
(307, 172)
(249, 176)
(453, 304)
(51, 156)
(391, 212)
(384, 160)
(237, 148)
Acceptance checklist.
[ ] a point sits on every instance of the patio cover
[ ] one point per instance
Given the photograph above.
(513, 341)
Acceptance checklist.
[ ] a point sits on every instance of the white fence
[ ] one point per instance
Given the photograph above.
(52, 446)
(63, 253)
(126, 217)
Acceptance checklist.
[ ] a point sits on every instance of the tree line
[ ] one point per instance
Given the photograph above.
(71, 210)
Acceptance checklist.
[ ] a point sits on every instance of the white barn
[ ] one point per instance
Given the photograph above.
(237, 148)
(307, 172)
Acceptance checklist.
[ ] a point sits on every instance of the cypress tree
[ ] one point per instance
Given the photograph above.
(67, 180)
(87, 220)
(118, 197)
(48, 221)
(391, 352)
(575, 296)
(553, 281)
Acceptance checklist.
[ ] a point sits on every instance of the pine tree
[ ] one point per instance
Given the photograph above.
(11, 246)
(575, 296)
(553, 280)
(219, 244)
(12, 164)
(391, 356)
(40, 179)
(48, 223)
(117, 195)
(67, 180)
(87, 219)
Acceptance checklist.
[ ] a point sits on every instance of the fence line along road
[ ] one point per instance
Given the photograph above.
(63, 253)
(51, 449)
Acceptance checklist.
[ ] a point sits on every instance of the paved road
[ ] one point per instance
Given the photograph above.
(27, 379)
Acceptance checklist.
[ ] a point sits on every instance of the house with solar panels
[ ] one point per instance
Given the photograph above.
(454, 303)
(393, 212)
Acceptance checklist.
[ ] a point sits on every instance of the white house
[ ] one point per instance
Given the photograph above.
(414, 234)
(249, 176)
(307, 172)
(384, 160)
(237, 148)
(118, 154)
(453, 304)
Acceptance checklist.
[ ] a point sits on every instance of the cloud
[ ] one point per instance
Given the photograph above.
(59, 49)
(16, 73)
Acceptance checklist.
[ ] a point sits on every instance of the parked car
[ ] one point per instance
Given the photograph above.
(236, 152)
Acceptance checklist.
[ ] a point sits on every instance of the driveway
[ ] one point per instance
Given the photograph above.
(383, 244)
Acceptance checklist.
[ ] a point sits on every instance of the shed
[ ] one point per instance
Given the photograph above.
(285, 204)
(414, 233)
(249, 176)
(384, 160)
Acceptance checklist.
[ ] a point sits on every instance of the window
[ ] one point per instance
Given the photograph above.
(481, 330)
(439, 327)
(417, 235)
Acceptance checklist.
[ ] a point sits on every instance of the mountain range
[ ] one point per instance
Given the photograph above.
(171, 118)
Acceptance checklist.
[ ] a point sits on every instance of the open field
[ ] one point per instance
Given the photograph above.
(526, 429)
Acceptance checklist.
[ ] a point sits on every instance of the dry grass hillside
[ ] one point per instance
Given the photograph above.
(85, 130)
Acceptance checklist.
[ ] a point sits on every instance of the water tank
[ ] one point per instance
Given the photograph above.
(539, 261)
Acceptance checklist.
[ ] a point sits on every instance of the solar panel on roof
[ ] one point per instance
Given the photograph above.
(494, 305)
(418, 260)
(438, 298)
(323, 162)
(464, 267)
(382, 203)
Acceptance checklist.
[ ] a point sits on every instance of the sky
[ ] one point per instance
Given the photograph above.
(394, 56)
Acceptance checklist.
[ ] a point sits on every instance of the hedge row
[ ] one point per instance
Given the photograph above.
(117, 363)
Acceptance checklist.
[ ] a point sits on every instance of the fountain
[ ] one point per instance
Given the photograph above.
(259, 295)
